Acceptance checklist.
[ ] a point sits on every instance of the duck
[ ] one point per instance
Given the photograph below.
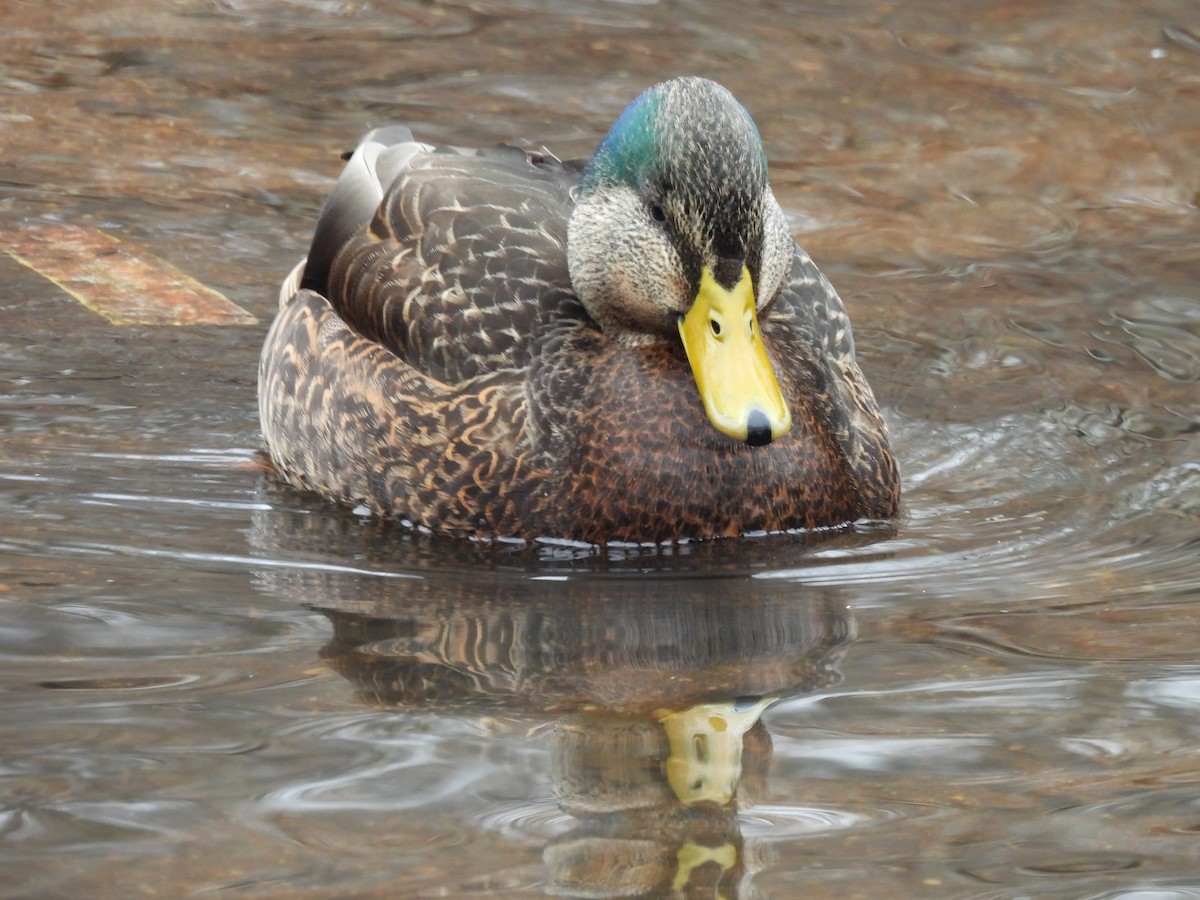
(498, 344)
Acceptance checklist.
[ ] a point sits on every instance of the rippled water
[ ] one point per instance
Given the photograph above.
(216, 684)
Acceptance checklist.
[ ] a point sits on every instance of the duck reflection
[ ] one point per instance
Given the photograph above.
(653, 800)
(655, 685)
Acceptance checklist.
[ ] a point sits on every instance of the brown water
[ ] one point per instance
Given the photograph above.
(211, 684)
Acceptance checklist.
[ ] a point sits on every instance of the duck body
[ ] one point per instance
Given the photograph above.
(493, 343)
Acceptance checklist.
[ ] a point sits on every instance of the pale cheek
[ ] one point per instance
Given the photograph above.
(778, 247)
(664, 291)
(625, 268)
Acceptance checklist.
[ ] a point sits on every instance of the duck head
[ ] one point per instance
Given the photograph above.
(676, 235)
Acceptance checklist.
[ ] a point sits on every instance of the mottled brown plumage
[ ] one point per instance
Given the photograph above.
(439, 363)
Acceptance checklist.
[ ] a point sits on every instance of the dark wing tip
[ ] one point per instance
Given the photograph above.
(369, 171)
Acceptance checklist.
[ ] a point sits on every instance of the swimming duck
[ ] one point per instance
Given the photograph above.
(500, 344)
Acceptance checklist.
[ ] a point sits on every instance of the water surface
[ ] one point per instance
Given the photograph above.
(215, 684)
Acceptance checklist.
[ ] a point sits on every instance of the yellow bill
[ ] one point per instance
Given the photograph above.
(737, 385)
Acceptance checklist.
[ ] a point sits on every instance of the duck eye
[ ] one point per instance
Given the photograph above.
(716, 327)
(657, 213)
